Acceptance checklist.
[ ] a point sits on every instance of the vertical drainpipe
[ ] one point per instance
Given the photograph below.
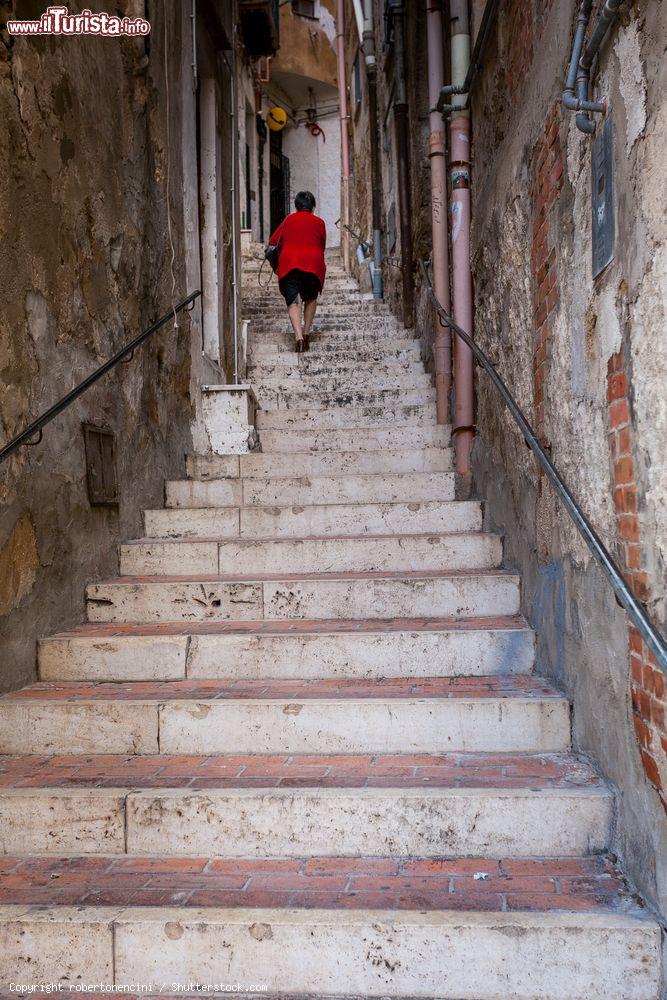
(344, 130)
(442, 351)
(235, 213)
(376, 181)
(403, 162)
(261, 127)
(461, 273)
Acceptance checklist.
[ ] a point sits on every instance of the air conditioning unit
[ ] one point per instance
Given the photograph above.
(305, 8)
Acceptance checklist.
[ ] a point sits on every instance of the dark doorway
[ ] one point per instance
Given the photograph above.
(262, 137)
(247, 222)
(279, 181)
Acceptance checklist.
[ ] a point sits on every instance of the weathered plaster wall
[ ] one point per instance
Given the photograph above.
(587, 361)
(360, 184)
(315, 166)
(361, 217)
(84, 257)
(304, 75)
(307, 44)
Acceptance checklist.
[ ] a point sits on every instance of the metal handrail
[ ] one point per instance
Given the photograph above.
(653, 639)
(36, 427)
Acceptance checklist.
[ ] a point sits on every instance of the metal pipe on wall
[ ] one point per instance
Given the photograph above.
(442, 352)
(236, 291)
(376, 178)
(571, 102)
(344, 130)
(403, 162)
(359, 16)
(606, 18)
(232, 68)
(460, 165)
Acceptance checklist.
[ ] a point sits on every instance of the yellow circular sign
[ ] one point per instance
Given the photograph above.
(276, 119)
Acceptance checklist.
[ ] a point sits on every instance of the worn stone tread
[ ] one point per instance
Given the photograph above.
(292, 539)
(575, 884)
(291, 577)
(522, 686)
(447, 770)
(305, 626)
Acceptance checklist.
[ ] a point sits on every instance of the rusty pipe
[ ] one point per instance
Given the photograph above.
(344, 131)
(376, 173)
(460, 166)
(403, 164)
(442, 343)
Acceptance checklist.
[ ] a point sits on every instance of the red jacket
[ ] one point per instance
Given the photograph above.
(303, 237)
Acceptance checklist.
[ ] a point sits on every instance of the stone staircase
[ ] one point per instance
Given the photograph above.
(299, 742)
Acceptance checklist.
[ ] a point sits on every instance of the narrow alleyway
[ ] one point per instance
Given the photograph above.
(299, 741)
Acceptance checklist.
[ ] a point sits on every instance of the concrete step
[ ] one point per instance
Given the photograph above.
(389, 461)
(429, 805)
(363, 398)
(341, 329)
(323, 367)
(433, 715)
(337, 303)
(399, 349)
(308, 649)
(317, 519)
(464, 594)
(409, 488)
(420, 948)
(265, 324)
(341, 294)
(335, 331)
(320, 356)
(311, 555)
(324, 385)
(346, 416)
(355, 439)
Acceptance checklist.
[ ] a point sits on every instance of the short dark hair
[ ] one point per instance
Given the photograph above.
(304, 201)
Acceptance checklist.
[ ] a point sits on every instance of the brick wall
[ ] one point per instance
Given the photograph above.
(519, 43)
(547, 181)
(647, 683)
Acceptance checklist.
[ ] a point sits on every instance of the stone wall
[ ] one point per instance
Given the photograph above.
(587, 360)
(360, 182)
(85, 156)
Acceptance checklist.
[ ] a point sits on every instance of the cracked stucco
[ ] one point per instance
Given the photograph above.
(82, 252)
(581, 633)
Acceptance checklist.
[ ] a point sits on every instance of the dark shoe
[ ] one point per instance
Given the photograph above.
(306, 343)
(300, 346)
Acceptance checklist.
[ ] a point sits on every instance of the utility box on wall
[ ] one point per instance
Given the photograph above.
(602, 197)
(100, 466)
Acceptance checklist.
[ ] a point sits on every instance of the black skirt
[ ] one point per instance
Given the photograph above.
(299, 283)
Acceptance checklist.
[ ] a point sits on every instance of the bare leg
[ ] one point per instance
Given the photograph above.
(309, 310)
(294, 313)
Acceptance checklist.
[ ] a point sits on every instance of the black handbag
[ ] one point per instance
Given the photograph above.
(272, 255)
